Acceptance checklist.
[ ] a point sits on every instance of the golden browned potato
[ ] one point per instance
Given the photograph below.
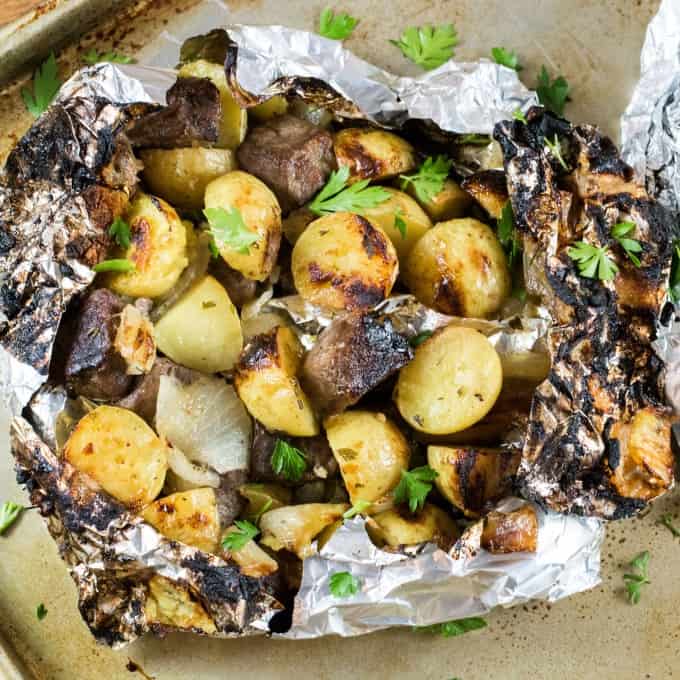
(452, 382)
(447, 204)
(470, 477)
(202, 329)
(459, 268)
(508, 532)
(399, 209)
(234, 122)
(294, 527)
(158, 249)
(276, 106)
(264, 497)
(342, 261)
(169, 604)
(296, 222)
(489, 188)
(372, 154)
(261, 215)
(187, 516)
(371, 453)
(265, 380)
(397, 527)
(121, 453)
(181, 175)
(252, 560)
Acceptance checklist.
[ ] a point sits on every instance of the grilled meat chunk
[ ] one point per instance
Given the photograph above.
(239, 288)
(291, 156)
(353, 355)
(192, 115)
(230, 503)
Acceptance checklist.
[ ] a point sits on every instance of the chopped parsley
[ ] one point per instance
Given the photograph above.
(115, 265)
(336, 26)
(453, 628)
(46, 84)
(336, 196)
(9, 513)
(237, 538)
(428, 46)
(620, 232)
(343, 584)
(506, 58)
(638, 577)
(119, 231)
(414, 486)
(593, 262)
(553, 94)
(430, 178)
(357, 509)
(288, 461)
(228, 229)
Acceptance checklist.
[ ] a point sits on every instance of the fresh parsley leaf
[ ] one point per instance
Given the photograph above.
(343, 584)
(357, 509)
(474, 138)
(228, 228)
(428, 46)
(506, 58)
(508, 236)
(212, 247)
(336, 196)
(552, 94)
(115, 265)
(265, 507)
(9, 512)
(640, 577)
(119, 231)
(430, 178)
(336, 26)
(593, 262)
(46, 84)
(555, 148)
(667, 521)
(41, 611)
(453, 628)
(237, 538)
(94, 57)
(399, 223)
(630, 246)
(288, 461)
(517, 114)
(674, 281)
(419, 339)
(414, 487)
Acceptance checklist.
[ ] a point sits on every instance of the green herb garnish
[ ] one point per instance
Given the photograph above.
(640, 577)
(453, 628)
(119, 231)
(419, 339)
(115, 265)
(212, 247)
(667, 521)
(517, 114)
(336, 26)
(474, 138)
(555, 148)
(630, 246)
(400, 224)
(228, 229)
(593, 262)
(552, 94)
(357, 509)
(41, 611)
(428, 46)
(414, 486)
(430, 178)
(9, 512)
(508, 236)
(506, 58)
(46, 84)
(336, 196)
(343, 584)
(265, 506)
(94, 57)
(288, 461)
(236, 539)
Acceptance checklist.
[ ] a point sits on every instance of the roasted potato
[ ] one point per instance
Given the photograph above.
(158, 249)
(252, 560)
(459, 268)
(121, 453)
(294, 527)
(170, 604)
(296, 222)
(508, 532)
(134, 341)
(399, 206)
(470, 477)
(261, 215)
(234, 123)
(372, 154)
(371, 452)
(181, 175)
(275, 106)
(202, 330)
(447, 204)
(265, 380)
(489, 188)
(187, 516)
(342, 261)
(264, 497)
(396, 527)
(452, 382)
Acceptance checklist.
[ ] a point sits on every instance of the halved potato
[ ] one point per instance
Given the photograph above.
(265, 380)
(275, 106)
(261, 215)
(395, 528)
(343, 261)
(263, 497)
(371, 453)
(190, 517)
(449, 203)
(181, 175)
(158, 249)
(451, 383)
(459, 268)
(202, 330)
(372, 154)
(234, 122)
(489, 188)
(252, 560)
(399, 206)
(121, 453)
(508, 532)
(294, 527)
(170, 604)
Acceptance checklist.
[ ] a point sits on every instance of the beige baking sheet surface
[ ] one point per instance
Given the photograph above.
(593, 636)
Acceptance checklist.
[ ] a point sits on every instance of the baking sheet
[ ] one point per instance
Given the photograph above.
(518, 643)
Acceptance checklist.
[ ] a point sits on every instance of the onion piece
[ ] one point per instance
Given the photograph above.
(134, 341)
(188, 475)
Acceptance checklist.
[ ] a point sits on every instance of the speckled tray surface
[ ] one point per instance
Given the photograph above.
(596, 635)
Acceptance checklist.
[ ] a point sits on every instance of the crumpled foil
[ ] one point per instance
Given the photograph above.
(106, 556)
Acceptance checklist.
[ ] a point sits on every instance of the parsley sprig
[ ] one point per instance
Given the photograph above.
(419, 339)
(95, 57)
(474, 138)
(336, 196)
(343, 584)
(41, 611)
(235, 539)
(114, 265)
(119, 231)
(555, 148)
(46, 84)
(553, 94)
(667, 521)
(414, 487)
(453, 628)
(505, 57)
(9, 513)
(517, 114)
(359, 507)
(620, 232)
(336, 26)
(430, 178)
(228, 229)
(593, 262)
(288, 461)
(508, 236)
(399, 223)
(638, 578)
(428, 46)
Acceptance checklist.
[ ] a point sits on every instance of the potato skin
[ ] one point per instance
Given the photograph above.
(121, 453)
(489, 188)
(181, 175)
(372, 154)
(371, 453)
(202, 329)
(342, 261)
(265, 380)
(452, 382)
(451, 202)
(158, 249)
(169, 604)
(275, 106)
(395, 527)
(509, 532)
(261, 214)
(459, 268)
(187, 516)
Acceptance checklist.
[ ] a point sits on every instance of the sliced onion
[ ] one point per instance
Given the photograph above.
(134, 341)
(188, 475)
(205, 419)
